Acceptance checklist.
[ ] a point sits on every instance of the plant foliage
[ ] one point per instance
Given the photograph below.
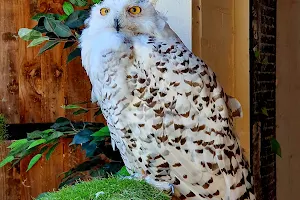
(93, 138)
(53, 29)
(3, 130)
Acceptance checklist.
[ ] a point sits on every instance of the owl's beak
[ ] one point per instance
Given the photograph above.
(117, 25)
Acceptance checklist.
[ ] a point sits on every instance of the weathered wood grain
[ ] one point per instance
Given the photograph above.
(10, 183)
(43, 177)
(9, 69)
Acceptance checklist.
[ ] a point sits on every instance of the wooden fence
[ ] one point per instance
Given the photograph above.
(32, 90)
(17, 184)
(34, 87)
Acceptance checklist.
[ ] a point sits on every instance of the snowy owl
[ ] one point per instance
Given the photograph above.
(167, 113)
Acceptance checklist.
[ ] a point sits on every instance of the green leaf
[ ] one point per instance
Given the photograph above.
(38, 41)
(57, 27)
(77, 18)
(276, 147)
(29, 34)
(35, 135)
(96, 1)
(49, 45)
(38, 16)
(69, 44)
(80, 111)
(70, 107)
(33, 161)
(18, 143)
(82, 137)
(68, 8)
(7, 160)
(36, 143)
(264, 111)
(48, 131)
(99, 112)
(80, 3)
(103, 132)
(74, 54)
(50, 152)
(89, 149)
(60, 122)
(63, 17)
(54, 135)
(43, 149)
(123, 172)
(256, 54)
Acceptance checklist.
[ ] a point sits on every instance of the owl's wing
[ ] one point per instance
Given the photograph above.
(192, 125)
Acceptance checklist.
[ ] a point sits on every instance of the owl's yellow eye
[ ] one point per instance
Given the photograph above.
(104, 11)
(135, 10)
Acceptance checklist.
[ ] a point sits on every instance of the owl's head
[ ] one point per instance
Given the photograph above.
(129, 17)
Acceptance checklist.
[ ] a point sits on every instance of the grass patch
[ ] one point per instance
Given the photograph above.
(3, 130)
(108, 189)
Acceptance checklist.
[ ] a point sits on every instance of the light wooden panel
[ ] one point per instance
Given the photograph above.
(221, 39)
(288, 98)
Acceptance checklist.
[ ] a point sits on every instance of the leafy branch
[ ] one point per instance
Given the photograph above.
(53, 29)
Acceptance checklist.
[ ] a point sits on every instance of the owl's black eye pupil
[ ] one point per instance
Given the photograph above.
(133, 9)
(106, 11)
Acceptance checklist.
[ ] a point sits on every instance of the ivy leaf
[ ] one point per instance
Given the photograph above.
(18, 143)
(7, 160)
(36, 143)
(80, 3)
(276, 147)
(77, 18)
(51, 150)
(33, 161)
(29, 34)
(68, 8)
(80, 111)
(38, 41)
(49, 45)
(57, 27)
(103, 132)
(264, 111)
(74, 54)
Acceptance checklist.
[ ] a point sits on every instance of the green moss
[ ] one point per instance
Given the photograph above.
(3, 131)
(108, 189)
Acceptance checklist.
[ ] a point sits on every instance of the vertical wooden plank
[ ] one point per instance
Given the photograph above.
(10, 183)
(53, 68)
(215, 38)
(288, 98)
(241, 69)
(9, 71)
(30, 90)
(43, 177)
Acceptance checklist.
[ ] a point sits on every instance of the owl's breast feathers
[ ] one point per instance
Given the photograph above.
(170, 118)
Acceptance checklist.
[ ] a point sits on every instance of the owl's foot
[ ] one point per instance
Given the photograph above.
(164, 186)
